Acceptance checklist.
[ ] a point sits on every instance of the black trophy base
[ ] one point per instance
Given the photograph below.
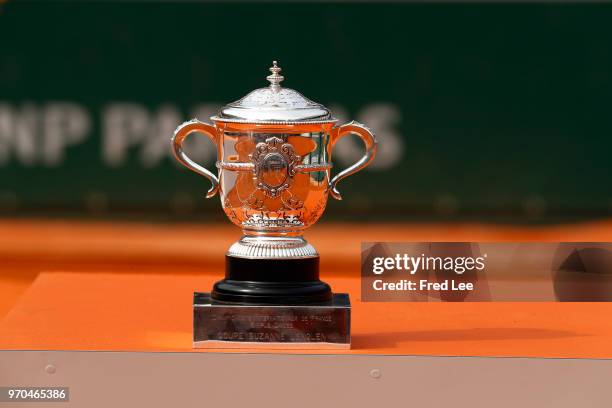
(324, 325)
(271, 281)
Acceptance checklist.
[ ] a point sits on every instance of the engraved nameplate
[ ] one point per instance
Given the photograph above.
(225, 325)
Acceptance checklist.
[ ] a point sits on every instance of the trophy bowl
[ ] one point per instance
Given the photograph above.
(274, 161)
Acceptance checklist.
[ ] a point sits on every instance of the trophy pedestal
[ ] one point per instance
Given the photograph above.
(322, 325)
(271, 303)
(271, 281)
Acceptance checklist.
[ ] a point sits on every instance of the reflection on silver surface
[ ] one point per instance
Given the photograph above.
(315, 326)
(274, 104)
(274, 164)
(272, 247)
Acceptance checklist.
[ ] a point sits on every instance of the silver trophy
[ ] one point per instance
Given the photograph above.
(274, 166)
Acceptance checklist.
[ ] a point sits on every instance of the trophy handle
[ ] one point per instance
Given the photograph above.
(180, 134)
(370, 144)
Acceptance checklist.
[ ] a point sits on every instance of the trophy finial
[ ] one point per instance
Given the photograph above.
(275, 79)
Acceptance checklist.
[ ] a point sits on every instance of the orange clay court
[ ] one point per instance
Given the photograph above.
(68, 285)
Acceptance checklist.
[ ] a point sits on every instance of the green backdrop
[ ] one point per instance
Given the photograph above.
(484, 110)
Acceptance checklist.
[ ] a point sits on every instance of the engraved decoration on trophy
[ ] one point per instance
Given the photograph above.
(274, 166)
(274, 147)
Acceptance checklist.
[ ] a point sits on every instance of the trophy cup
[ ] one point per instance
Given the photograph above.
(274, 150)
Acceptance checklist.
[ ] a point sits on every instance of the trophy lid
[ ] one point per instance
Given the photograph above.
(275, 105)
